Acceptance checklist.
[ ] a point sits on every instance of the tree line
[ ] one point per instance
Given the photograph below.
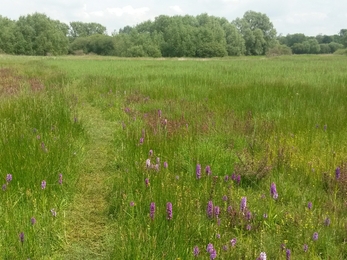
(167, 36)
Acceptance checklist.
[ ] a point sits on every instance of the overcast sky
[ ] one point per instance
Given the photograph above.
(288, 17)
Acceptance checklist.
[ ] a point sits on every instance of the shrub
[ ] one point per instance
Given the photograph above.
(279, 50)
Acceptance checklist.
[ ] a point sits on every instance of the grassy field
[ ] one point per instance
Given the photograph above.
(105, 158)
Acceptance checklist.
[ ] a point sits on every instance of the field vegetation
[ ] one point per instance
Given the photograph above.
(232, 158)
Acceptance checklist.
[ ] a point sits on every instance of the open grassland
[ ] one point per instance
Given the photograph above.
(105, 158)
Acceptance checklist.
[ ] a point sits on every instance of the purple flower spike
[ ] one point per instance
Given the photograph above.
(141, 140)
(273, 191)
(249, 227)
(60, 179)
(233, 242)
(33, 221)
(337, 173)
(148, 163)
(305, 248)
(169, 210)
(248, 215)
(147, 182)
(216, 211)
(9, 178)
(238, 179)
(309, 205)
(209, 248)
(159, 113)
(150, 152)
(225, 248)
(21, 237)
(166, 165)
(225, 198)
(152, 210)
(198, 171)
(226, 177)
(288, 253)
(196, 251)
(132, 204)
(213, 254)
(43, 184)
(208, 170)
(315, 236)
(210, 209)
(262, 256)
(243, 204)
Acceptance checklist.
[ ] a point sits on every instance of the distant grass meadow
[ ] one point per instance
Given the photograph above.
(211, 159)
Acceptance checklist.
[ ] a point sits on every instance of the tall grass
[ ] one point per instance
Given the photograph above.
(256, 122)
(40, 146)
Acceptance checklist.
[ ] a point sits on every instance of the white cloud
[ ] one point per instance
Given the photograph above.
(97, 13)
(128, 10)
(176, 8)
(309, 17)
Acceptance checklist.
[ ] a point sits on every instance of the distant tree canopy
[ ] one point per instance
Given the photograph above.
(166, 36)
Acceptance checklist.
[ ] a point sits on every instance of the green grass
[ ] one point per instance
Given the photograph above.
(269, 120)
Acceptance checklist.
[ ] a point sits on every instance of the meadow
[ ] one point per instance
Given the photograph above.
(233, 158)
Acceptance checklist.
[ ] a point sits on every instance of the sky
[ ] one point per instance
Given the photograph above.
(288, 17)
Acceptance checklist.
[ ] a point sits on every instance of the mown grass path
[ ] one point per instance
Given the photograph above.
(86, 218)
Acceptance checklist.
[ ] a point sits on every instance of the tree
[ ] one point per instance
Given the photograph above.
(80, 29)
(343, 37)
(7, 35)
(250, 26)
(39, 35)
(235, 44)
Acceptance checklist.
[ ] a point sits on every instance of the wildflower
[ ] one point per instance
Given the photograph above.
(198, 171)
(60, 179)
(196, 251)
(216, 211)
(43, 184)
(262, 256)
(21, 237)
(166, 165)
(210, 209)
(169, 210)
(249, 227)
(4, 186)
(218, 236)
(9, 178)
(156, 167)
(225, 197)
(248, 215)
(309, 205)
(225, 248)
(141, 140)
(226, 178)
(213, 254)
(43, 147)
(208, 170)
(147, 182)
(238, 179)
(150, 152)
(283, 246)
(54, 213)
(243, 203)
(305, 248)
(288, 253)
(233, 242)
(233, 177)
(159, 113)
(209, 248)
(152, 210)
(315, 236)
(132, 204)
(158, 160)
(33, 221)
(273, 191)
(337, 173)
(148, 163)
(265, 215)
(327, 221)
